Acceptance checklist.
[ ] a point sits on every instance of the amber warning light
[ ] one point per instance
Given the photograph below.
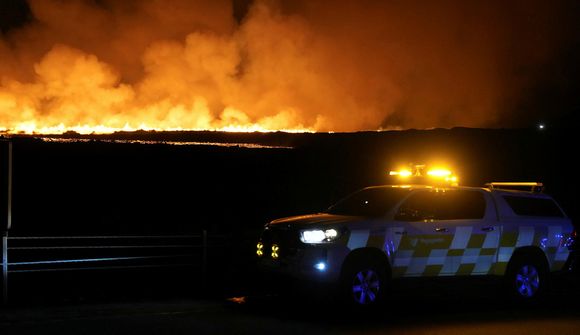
(420, 173)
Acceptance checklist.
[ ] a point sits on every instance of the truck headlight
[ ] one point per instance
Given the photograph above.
(318, 235)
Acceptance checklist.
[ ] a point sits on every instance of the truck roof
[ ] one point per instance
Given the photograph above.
(498, 191)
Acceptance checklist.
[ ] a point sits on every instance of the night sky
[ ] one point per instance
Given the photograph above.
(326, 66)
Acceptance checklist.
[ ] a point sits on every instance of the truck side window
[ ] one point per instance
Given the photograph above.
(528, 206)
(448, 205)
(418, 207)
(460, 205)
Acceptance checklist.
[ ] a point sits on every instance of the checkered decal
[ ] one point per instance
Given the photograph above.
(462, 253)
(466, 252)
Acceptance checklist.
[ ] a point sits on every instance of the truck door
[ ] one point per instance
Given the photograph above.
(445, 233)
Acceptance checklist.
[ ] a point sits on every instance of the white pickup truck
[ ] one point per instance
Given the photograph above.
(396, 231)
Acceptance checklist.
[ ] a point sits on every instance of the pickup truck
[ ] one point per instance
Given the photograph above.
(396, 231)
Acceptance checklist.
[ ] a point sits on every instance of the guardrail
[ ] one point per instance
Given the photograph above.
(26, 254)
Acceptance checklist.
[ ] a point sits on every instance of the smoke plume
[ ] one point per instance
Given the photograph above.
(102, 65)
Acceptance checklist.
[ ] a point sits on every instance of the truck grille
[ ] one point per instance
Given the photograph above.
(286, 239)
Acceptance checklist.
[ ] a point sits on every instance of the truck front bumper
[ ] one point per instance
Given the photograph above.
(317, 263)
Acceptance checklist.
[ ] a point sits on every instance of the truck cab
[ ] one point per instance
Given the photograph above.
(397, 231)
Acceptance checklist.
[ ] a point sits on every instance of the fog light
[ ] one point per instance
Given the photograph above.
(320, 266)
(275, 249)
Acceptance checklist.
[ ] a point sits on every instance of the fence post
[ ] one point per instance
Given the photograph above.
(8, 224)
(9, 184)
(204, 259)
(5, 268)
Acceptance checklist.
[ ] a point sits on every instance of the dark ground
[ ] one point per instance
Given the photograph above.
(430, 309)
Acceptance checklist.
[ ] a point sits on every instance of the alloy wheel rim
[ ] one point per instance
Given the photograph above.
(365, 287)
(527, 281)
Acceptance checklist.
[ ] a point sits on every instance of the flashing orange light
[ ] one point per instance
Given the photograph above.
(401, 173)
(439, 173)
(443, 175)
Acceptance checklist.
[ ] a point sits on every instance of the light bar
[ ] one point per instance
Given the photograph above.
(401, 173)
(435, 175)
(439, 173)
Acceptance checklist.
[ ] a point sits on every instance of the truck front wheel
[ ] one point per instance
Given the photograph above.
(364, 283)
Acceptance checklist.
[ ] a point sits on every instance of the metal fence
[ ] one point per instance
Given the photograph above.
(28, 254)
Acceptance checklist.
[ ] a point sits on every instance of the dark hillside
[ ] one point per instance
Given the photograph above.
(125, 187)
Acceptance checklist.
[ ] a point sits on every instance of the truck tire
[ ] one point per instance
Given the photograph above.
(364, 282)
(527, 277)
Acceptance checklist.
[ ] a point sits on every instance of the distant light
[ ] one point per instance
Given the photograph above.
(238, 300)
(541, 126)
(320, 266)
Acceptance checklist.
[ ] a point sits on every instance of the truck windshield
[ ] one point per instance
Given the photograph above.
(369, 202)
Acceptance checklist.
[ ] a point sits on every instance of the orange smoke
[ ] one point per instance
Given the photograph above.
(110, 65)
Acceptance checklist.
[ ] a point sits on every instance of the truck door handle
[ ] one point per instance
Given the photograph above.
(441, 230)
(488, 228)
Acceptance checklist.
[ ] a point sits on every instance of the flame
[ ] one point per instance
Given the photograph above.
(91, 101)
(186, 85)
(30, 128)
(300, 66)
